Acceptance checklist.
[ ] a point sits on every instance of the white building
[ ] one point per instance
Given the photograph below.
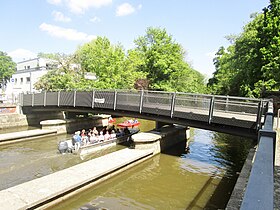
(27, 74)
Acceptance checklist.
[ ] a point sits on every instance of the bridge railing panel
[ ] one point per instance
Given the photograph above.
(128, 100)
(236, 105)
(27, 100)
(51, 99)
(157, 102)
(66, 98)
(39, 99)
(192, 107)
(83, 99)
(104, 99)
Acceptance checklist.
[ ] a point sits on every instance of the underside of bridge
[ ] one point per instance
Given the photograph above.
(229, 128)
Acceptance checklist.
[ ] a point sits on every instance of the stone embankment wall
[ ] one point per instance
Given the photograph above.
(9, 120)
(11, 117)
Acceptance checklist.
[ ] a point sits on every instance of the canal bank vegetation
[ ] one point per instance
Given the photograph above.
(251, 64)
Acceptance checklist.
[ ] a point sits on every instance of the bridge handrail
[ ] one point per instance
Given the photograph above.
(169, 102)
(260, 187)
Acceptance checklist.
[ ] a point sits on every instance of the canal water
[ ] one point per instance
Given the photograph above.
(201, 179)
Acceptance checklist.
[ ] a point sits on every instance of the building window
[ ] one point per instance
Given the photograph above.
(27, 80)
(21, 80)
(15, 81)
(28, 67)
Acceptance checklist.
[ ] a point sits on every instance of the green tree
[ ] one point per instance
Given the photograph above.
(7, 68)
(64, 74)
(108, 63)
(252, 63)
(162, 60)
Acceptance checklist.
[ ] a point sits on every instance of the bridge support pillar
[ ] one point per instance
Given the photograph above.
(160, 124)
(159, 140)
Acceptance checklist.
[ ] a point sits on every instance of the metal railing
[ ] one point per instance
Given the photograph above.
(206, 108)
(260, 187)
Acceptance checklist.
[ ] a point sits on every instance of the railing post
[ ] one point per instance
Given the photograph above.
(75, 92)
(211, 109)
(115, 100)
(32, 102)
(172, 104)
(45, 98)
(259, 114)
(227, 103)
(58, 98)
(92, 102)
(141, 100)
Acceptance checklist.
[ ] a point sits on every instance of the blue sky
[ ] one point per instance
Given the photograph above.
(200, 26)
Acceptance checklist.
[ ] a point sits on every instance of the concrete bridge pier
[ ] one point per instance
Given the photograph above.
(160, 124)
(160, 139)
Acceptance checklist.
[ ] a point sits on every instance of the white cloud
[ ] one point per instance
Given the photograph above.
(125, 9)
(66, 33)
(95, 19)
(80, 6)
(60, 17)
(21, 54)
(55, 2)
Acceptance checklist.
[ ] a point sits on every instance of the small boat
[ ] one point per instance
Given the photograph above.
(67, 146)
(129, 124)
(111, 120)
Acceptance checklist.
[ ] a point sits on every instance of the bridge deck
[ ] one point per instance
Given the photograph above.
(33, 193)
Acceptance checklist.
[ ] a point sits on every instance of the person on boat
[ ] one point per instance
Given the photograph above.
(113, 134)
(77, 140)
(107, 136)
(126, 131)
(93, 138)
(95, 131)
(84, 137)
(101, 137)
(118, 133)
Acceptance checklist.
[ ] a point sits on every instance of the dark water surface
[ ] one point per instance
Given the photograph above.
(201, 179)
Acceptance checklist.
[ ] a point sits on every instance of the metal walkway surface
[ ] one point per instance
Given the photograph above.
(18, 136)
(39, 191)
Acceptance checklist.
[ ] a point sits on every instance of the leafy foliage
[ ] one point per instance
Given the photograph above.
(251, 64)
(157, 62)
(162, 59)
(109, 63)
(65, 76)
(7, 68)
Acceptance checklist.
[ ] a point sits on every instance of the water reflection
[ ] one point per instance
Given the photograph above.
(201, 179)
